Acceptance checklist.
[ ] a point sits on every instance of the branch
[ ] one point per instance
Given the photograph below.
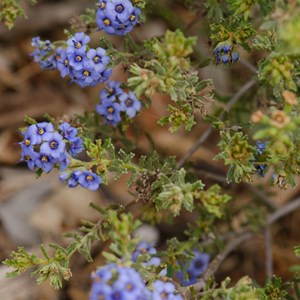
(237, 241)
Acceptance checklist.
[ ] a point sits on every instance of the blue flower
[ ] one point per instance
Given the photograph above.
(89, 180)
(112, 91)
(226, 52)
(235, 56)
(30, 159)
(63, 64)
(28, 143)
(76, 146)
(68, 131)
(42, 131)
(71, 177)
(199, 263)
(98, 59)
(110, 111)
(55, 146)
(130, 104)
(143, 248)
(87, 76)
(45, 162)
(192, 279)
(164, 291)
(76, 58)
(104, 76)
(194, 268)
(120, 9)
(261, 147)
(104, 23)
(78, 41)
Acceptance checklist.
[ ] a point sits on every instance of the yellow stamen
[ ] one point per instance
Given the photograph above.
(111, 110)
(132, 18)
(44, 158)
(107, 22)
(89, 178)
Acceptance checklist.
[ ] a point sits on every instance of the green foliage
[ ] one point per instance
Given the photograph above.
(238, 154)
(213, 201)
(275, 289)
(122, 227)
(233, 31)
(169, 72)
(242, 290)
(10, 10)
(176, 193)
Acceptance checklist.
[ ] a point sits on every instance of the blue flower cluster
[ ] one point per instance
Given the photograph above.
(113, 101)
(43, 147)
(116, 17)
(43, 54)
(86, 179)
(85, 67)
(195, 268)
(260, 168)
(226, 53)
(119, 282)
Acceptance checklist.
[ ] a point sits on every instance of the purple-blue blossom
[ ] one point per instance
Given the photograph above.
(110, 111)
(225, 52)
(89, 180)
(86, 67)
(146, 248)
(117, 17)
(78, 41)
(130, 104)
(194, 269)
(118, 282)
(164, 291)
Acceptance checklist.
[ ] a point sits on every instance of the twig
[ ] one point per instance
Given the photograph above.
(268, 251)
(235, 242)
(215, 264)
(209, 130)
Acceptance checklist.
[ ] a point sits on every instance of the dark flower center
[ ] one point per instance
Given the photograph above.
(163, 295)
(27, 142)
(86, 73)
(128, 102)
(26, 157)
(129, 287)
(96, 59)
(198, 264)
(116, 296)
(110, 110)
(107, 22)
(119, 8)
(89, 178)
(53, 144)
(44, 158)
(41, 131)
(132, 18)
(77, 45)
(66, 62)
(78, 58)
